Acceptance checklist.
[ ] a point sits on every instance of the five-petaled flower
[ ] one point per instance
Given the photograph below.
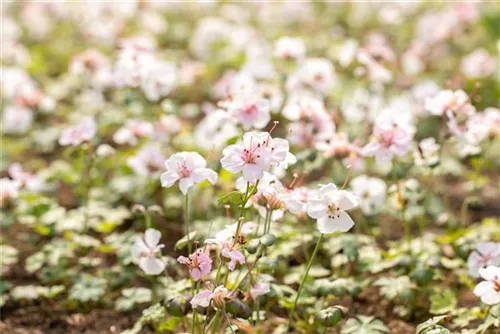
(489, 290)
(146, 249)
(199, 264)
(189, 168)
(329, 207)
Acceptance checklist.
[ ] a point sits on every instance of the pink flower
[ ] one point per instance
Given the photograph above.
(235, 255)
(478, 64)
(77, 134)
(146, 250)
(260, 289)
(456, 102)
(198, 263)
(388, 140)
(250, 112)
(486, 254)
(204, 298)
(189, 168)
(255, 155)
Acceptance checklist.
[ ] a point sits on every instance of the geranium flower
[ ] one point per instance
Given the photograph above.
(148, 161)
(77, 134)
(234, 255)
(388, 140)
(250, 112)
(486, 254)
(254, 155)
(427, 153)
(329, 207)
(16, 120)
(259, 289)
(204, 298)
(132, 131)
(158, 80)
(215, 130)
(478, 64)
(371, 192)
(489, 290)
(30, 181)
(456, 102)
(316, 74)
(146, 249)
(8, 189)
(290, 48)
(189, 168)
(198, 263)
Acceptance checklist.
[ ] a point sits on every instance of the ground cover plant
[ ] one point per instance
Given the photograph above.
(238, 167)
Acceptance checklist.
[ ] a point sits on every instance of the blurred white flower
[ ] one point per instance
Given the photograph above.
(84, 131)
(290, 48)
(146, 249)
(489, 289)
(132, 131)
(148, 161)
(371, 192)
(16, 120)
(485, 254)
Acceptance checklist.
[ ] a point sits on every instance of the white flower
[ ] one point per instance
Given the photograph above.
(189, 168)
(259, 289)
(77, 134)
(316, 74)
(204, 298)
(215, 130)
(290, 48)
(489, 290)
(255, 155)
(427, 153)
(371, 192)
(478, 64)
(148, 161)
(16, 120)
(250, 112)
(167, 126)
(132, 131)
(329, 207)
(456, 102)
(9, 189)
(157, 81)
(146, 251)
(486, 254)
(30, 181)
(388, 140)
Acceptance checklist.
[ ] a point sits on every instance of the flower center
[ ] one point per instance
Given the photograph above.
(333, 211)
(184, 171)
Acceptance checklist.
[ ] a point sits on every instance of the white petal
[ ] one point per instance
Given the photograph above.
(185, 184)
(491, 298)
(152, 237)
(484, 288)
(152, 265)
(490, 273)
(138, 247)
(168, 179)
(317, 208)
(342, 223)
(346, 200)
(205, 174)
(201, 299)
(252, 172)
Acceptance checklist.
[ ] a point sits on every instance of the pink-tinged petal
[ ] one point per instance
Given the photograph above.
(185, 184)
(152, 237)
(260, 289)
(196, 274)
(201, 299)
(231, 265)
(152, 265)
(492, 298)
(183, 260)
(168, 179)
(139, 247)
(252, 172)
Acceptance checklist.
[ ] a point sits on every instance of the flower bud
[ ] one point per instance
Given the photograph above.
(238, 309)
(253, 246)
(268, 239)
(329, 317)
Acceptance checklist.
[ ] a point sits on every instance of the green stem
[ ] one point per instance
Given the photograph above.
(195, 313)
(87, 180)
(186, 221)
(215, 325)
(309, 265)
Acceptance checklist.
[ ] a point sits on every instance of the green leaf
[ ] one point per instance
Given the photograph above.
(431, 324)
(364, 325)
(181, 243)
(443, 301)
(235, 198)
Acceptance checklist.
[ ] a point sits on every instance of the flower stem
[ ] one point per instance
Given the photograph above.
(195, 313)
(309, 265)
(186, 221)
